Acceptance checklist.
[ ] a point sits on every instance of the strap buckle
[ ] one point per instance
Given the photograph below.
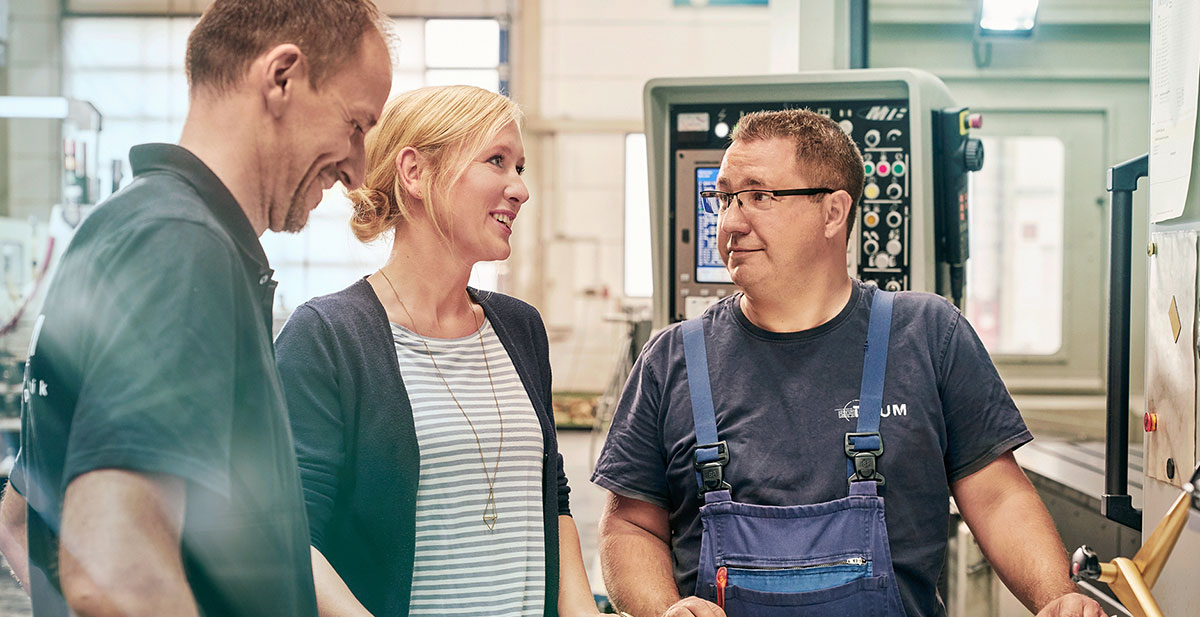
(712, 473)
(865, 459)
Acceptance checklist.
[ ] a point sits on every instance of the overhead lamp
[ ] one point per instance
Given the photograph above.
(1007, 18)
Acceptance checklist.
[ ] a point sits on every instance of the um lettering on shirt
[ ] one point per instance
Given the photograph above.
(849, 411)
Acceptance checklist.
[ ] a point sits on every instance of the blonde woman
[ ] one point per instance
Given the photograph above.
(421, 407)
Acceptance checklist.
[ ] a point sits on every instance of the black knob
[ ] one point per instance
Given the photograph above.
(973, 154)
(1085, 565)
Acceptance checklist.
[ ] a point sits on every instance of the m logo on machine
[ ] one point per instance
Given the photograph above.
(849, 411)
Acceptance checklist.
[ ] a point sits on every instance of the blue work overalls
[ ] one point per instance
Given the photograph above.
(826, 559)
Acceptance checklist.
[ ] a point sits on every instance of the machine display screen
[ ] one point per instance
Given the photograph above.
(709, 268)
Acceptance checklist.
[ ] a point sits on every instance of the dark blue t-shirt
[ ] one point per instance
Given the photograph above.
(783, 403)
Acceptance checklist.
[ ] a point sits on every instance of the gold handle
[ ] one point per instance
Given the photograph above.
(1131, 579)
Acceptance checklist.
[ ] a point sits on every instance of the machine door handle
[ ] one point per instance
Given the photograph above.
(1116, 504)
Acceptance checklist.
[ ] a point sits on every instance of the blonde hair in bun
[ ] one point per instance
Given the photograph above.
(448, 125)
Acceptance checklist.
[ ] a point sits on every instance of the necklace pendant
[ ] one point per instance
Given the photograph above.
(489, 515)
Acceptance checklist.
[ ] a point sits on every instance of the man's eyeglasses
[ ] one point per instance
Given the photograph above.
(757, 200)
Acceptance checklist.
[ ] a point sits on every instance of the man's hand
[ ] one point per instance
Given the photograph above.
(692, 606)
(1072, 605)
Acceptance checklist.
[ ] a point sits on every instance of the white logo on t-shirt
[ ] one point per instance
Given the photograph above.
(850, 410)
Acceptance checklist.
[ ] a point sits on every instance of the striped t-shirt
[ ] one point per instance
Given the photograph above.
(462, 568)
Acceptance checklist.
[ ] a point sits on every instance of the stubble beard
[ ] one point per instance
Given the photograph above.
(297, 213)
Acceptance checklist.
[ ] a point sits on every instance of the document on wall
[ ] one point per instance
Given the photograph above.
(1174, 81)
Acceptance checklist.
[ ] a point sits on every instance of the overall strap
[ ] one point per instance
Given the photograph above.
(864, 446)
(711, 455)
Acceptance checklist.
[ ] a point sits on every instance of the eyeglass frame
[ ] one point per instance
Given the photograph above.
(714, 194)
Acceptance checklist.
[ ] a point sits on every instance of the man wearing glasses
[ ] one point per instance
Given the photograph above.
(792, 480)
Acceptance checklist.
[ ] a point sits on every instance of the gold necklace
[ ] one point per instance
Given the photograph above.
(489, 509)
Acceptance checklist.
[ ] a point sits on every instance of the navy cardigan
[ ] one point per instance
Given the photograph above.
(356, 443)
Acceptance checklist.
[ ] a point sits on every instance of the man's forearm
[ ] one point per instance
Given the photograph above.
(119, 550)
(14, 543)
(1015, 533)
(637, 568)
(1035, 569)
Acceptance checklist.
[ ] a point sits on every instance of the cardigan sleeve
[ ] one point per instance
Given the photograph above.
(305, 355)
(543, 359)
(564, 491)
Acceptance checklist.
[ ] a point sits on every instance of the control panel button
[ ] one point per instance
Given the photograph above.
(871, 191)
(870, 247)
(871, 138)
(882, 168)
(871, 219)
(869, 168)
(898, 168)
(894, 246)
(894, 219)
(881, 260)
(847, 126)
(892, 285)
(894, 191)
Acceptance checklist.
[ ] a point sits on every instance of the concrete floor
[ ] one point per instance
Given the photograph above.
(579, 450)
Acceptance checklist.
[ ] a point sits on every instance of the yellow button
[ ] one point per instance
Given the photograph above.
(871, 219)
(871, 191)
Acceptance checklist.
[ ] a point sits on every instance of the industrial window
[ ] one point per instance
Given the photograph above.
(1015, 273)
(132, 70)
(639, 266)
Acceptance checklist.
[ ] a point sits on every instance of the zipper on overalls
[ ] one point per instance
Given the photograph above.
(850, 561)
(722, 580)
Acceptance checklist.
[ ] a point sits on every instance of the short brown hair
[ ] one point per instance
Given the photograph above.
(823, 150)
(232, 33)
(449, 125)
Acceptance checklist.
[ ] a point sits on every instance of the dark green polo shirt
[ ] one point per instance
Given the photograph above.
(154, 354)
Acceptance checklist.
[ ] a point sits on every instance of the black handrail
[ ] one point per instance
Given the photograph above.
(1116, 503)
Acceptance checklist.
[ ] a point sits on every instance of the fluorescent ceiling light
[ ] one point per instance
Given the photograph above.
(34, 107)
(1007, 17)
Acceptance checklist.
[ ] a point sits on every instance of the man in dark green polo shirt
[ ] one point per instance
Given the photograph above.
(156, 473)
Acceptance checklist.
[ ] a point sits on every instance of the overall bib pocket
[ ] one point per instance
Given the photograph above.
(863, 597)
